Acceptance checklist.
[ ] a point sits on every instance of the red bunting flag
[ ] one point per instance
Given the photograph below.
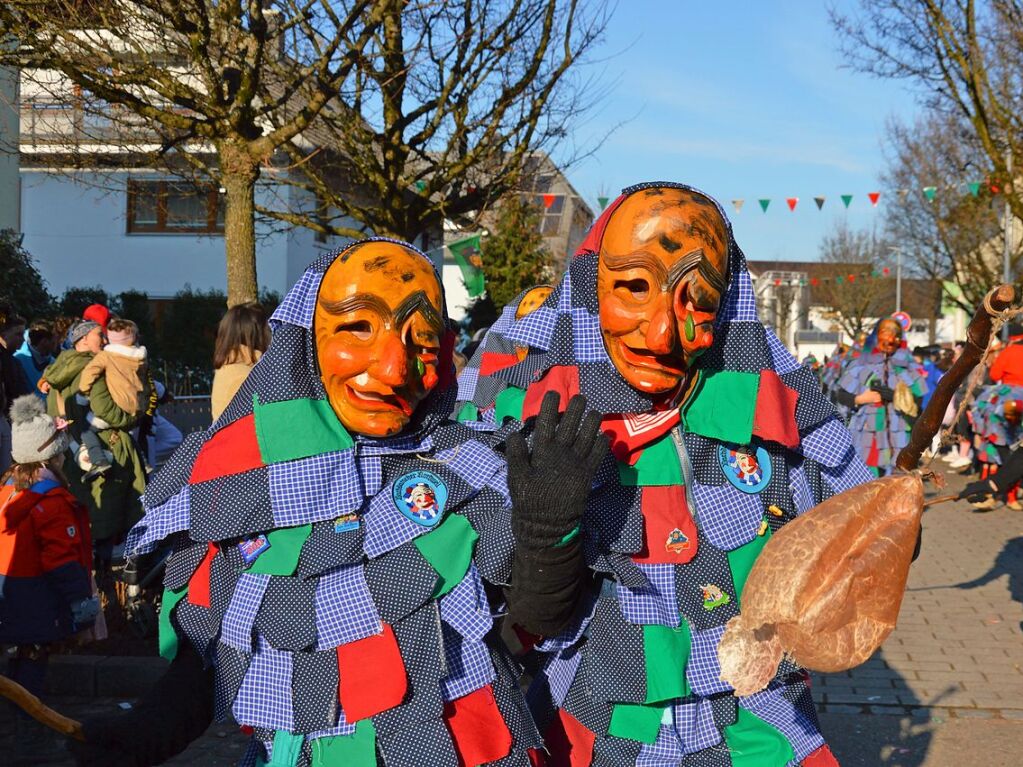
(874, 197)
(852, 278)
(548, 200)
(777, 281)
(886, 271)
(792, 202)
(814, 281)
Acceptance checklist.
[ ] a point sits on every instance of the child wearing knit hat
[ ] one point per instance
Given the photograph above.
(46, 592)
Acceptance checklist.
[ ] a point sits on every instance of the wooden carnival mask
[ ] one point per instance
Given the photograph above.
(662, 272)
(378, 327)
(889, 336)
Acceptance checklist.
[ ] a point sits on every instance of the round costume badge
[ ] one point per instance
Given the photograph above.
(421, 496)
(747, 468)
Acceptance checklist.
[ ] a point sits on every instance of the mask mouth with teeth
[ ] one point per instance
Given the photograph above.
(378, 326)
(662, 271)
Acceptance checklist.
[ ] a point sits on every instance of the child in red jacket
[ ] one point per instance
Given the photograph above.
(45, 551)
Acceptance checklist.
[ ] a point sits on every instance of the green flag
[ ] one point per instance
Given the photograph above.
(930, 191)
(974, 188)
(602, 202)
(467, 255)
(764, 203)
(846, 199)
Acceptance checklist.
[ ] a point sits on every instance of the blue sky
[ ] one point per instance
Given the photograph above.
(742, 100)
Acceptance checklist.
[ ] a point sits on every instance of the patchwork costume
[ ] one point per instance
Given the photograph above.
(676, 519)
(997, 408)
(336, 582)
(881, 431)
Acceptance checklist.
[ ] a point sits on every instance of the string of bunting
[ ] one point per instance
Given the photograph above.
(838, 279)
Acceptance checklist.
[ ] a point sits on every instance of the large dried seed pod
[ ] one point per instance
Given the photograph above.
(827, 588)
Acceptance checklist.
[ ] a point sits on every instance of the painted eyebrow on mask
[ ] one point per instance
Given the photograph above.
(417, 302)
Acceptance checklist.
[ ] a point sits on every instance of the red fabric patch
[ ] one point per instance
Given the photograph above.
(537, 758)
(629, 433)
(491, 362)
(774, 418)
(477, 728)
(593, 238)
(669, 533)
(528, 640)
(199, 583)
(873, 455)
(231, 450)
(568, 742)
(822, 757)
(372, 675)
(564, 379)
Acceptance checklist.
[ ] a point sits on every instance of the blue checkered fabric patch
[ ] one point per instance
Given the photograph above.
(170, 517)
(534, 329)
(236, 629)
(466, 609)
(802, 493)
(704, 671)
(654, 604)
(852, 472)
(781, 358)
(344, 608)
(311, 489)
(341, 728)
(726, 515)
(828, 444)
(772, 706)
(694, 723)
(666, 751)
(299, 305)
(474, 462)
(264, 699)
(469, 665)
(588, 342)
(740, 304)
(560, 670)
(467, 380)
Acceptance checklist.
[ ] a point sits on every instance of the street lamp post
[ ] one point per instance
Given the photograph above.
(1007, 232)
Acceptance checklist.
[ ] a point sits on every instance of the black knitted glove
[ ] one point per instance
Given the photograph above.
(174, 713)
(887, 393)
(548, 489)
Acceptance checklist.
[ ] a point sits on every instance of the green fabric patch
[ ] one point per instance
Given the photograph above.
(919, 387)
(448, 549)
(741, 560)
(508, 404)
(722, 405)
(297, 428)
(634, 721)
(752, 742)
(286, 749)
(469, 412)
(355, 750)
(658, 464)
(168, 637)
(879, 415)
(282, 556)
(666, 652)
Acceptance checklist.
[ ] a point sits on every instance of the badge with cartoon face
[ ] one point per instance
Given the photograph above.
(747, 468)
(421, 496)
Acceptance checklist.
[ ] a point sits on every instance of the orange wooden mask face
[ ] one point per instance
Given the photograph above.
(889, 336)
(378, 327)
(662, 272)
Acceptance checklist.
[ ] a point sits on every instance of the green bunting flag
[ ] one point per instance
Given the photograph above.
(467, 255)
(974, 188)
(420, 185)
(930, 191)
(846, 199)
(602, 202)
(819, 201)
(764, 203)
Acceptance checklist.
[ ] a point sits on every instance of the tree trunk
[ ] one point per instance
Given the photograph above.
(238, 175)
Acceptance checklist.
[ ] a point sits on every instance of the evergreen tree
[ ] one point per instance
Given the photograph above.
(514, 254)
(21, 284)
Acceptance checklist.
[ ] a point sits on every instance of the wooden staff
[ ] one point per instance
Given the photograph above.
(39, 711)
(977, 336)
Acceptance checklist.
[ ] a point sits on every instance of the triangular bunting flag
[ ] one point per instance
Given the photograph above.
(420, 185)
(819, 201)
(903, 193)
(466, 253)
(548, 200)
(737, 204)
(846, 199)
(930, 191)
(874, 197)
(764, 203)
(974, 187)
(792, 202)
(602, 202)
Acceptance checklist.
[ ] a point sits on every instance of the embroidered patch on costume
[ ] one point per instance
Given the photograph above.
(71, 531)
(714, 596)
(251, 548)
(746, 468)
(763, 527)
(346, 522)
(677, 542)
(421, 496)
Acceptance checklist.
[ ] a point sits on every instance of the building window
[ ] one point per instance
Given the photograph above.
(174, 207)
(550, 224)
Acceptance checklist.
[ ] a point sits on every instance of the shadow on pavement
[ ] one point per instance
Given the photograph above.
(1008, 562)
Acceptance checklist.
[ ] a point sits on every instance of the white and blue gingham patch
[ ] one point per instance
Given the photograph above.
(311, 489)
(236, 628)
(704, 670)
(344, 608)
(264, 699)
(170, 517)
(299, 305)
(654, 604)
(727, 516)
(771, 706)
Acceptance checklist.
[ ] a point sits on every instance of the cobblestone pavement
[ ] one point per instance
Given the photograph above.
(946, 690)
